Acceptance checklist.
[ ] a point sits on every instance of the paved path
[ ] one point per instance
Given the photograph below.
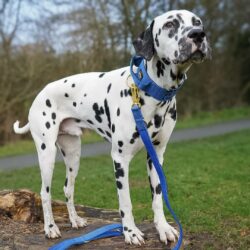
(100, 148)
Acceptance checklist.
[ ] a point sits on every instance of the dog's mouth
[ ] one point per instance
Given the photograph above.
(197, 57)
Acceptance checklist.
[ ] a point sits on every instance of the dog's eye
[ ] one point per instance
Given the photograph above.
(197, 22)
(168, 25)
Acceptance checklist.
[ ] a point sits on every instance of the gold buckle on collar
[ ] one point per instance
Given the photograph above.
(134, 91)
(135, 95)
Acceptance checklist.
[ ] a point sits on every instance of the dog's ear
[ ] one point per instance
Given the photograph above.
(144, 44)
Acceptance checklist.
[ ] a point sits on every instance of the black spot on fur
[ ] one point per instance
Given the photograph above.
(119, 184)
(119, 172)
(166, 61)
(98, 112)
(44, 113)
(122, 213)
(176, 53)
(121, 93)
(157, 121)
(119, 150)
(63, 153)
(154, 134)
(174, 30)
(158, 189)
(65, 80)
(106, 107)
(90, 122)
(48, 103)
(53, 116)
(123, 73)
(118, 112)
(157, 41)
(180, 18)
(51, 225)
(159, 31)
(108, 134)
(156, 142)
(77, 120)
(67, 199)
(151, 187)
(74, 104)
(85, 95)
(142, 102)
(160, 68)
(66, 182)
(108, 89)
(43, 146)
(125, 92)
(101, 75)
(150, 163)
(120, 143)
(125, 228)
(173, 113)
(101, 130)
(113, 128)
(47, 189)
(70, 169)
(73, 85)
(66, 95)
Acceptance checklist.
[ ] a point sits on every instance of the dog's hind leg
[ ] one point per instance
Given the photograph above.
(70, 146)
(46, 150)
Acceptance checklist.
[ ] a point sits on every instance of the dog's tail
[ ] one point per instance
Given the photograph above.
(22, 130)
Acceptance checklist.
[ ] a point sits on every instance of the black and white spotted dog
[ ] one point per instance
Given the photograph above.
(102, 102)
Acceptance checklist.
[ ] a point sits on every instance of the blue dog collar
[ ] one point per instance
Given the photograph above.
(145, 83)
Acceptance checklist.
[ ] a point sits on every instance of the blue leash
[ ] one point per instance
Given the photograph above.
(141, 126)
(102, 232)
(143, 82)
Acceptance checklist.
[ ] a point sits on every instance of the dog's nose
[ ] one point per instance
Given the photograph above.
(197, 35)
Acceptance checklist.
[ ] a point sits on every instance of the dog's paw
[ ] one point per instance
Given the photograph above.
(77, 222)
(52, 231)
(166, 232)
(133, 235)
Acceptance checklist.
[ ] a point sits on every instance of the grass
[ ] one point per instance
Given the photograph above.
(209, 185)
(199, 119)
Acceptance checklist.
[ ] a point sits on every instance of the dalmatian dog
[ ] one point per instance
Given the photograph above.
(102, 101)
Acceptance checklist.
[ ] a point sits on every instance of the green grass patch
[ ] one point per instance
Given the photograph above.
(196, 120)
(207, 118)
(208, 180)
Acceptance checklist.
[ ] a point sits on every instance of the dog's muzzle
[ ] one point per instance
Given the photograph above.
(194, 47)
(200, 49)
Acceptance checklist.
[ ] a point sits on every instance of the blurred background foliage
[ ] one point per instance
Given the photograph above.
(42, 41)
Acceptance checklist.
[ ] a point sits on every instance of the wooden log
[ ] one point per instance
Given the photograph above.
(21, 224)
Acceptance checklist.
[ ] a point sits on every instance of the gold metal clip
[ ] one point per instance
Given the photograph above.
(135, 95)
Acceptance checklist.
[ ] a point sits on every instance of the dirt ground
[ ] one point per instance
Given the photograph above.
(21, 226)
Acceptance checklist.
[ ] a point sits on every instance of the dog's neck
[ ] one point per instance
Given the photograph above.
(166, 74)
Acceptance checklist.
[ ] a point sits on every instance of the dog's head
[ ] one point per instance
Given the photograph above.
(177, 37)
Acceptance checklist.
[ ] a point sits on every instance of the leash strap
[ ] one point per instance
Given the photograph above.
(102, 232)
(142, 129)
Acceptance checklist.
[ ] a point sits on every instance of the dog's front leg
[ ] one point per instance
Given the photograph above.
(121, 167)
(166, 232)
